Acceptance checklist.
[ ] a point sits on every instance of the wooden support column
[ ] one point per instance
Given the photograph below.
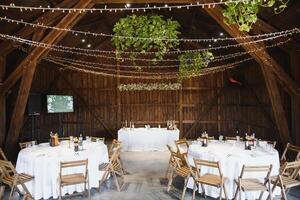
(268, 65)
(2, 103)
(26, 69)
(180, 111)
(276, 102)
(118, 94)
(262, 57)
(295, 69)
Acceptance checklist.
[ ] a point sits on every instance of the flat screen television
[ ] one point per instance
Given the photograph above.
(60, 104)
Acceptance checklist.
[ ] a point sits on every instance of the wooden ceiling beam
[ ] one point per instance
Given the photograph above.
(46, 18)
(262, 57)
(27, 69)
(269, 68)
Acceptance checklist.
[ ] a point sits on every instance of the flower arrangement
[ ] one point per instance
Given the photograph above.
(149, 86)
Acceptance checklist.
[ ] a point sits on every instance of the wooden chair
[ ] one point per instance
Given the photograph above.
(116, 144)
(290, 150)
(171, 161)
(180, 168)
(288, 177)
(95, 139)
(10, 177)
(232, 138)
(23, 145)
(182, 145)
(254, 184)
(113, 168)
(76, 178)
(2, 155)
(273, 143)
(64, 139)
(211, 138)
(215, 180)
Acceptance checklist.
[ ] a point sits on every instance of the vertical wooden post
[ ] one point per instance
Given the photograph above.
(2, 103)
(295, 62)
(276, 102)
(119, 117)
(180, 112)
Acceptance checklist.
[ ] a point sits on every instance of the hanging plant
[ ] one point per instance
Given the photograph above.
(149, 86)
(130, 31)
(244, 13)
(191, 63)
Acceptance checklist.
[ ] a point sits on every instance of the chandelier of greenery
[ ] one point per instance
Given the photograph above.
(149, 86)
(244, 14)
(133, 27)
(191, 63)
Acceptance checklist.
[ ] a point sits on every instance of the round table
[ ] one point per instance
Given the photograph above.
(232, 156)
(43, 162)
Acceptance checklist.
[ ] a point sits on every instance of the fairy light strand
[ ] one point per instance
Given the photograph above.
(41, 25)
(126, 8)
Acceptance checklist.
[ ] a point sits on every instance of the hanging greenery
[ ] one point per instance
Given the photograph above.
(149, 86)
(191, 63)
(138, 27)
(244, 13)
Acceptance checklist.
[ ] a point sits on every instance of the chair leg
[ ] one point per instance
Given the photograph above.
(225, 193)
(203, 191)
(284, 194)
(168, 169)
(185, 186)
(60, 197)
(221, 192)
(104, 177)
(194, 190)
(116, 182)
(89, 191)
(11, 192)
(170, 181)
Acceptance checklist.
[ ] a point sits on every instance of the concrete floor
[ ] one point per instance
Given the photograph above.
(145, 180)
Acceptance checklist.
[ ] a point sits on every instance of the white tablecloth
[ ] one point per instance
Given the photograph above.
(232, 156)
(43, 162)
(142, 139)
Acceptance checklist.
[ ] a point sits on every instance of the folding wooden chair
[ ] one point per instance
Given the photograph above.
(76, 178)
(2, 155)
(180, 168)
(215, 180)
(254, 184)
(95, 139)
(113, 168)
(23, 145)
(114, 145)
(211, 138)
(171, 161)
(182, 146)
(287, 178)
(64, 139)
(290, 151)
(10, 177)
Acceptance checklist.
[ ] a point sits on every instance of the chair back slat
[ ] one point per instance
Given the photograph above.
(291, 169)
(258, 168)
(95, 139)
(182, 145)
(206, 163)
(232, 138)
(76, 163)
(115, 144)
(7, 168)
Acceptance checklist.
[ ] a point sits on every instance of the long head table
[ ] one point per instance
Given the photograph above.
(143, 139)
(43, 162)
(232, 156)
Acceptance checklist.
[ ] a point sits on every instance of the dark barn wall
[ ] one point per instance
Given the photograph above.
(207, 103)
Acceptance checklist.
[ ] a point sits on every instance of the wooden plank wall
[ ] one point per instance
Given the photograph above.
(235, 108)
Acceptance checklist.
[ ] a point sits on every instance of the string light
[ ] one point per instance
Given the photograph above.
(76, 32)
(126, 8)
(217, 59)
(80, 51)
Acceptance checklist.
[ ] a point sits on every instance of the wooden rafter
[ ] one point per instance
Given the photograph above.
(27, 70)
(46, 18)
(268, 66)
(2, 103)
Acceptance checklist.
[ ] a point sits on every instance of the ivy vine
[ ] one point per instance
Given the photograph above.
(244, 13)
(133, 29)
(191, 63)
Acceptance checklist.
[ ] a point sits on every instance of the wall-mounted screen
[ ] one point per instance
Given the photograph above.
(60, 104)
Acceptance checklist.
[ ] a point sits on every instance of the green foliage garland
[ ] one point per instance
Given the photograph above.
(191, 63)
(244, 14)
(136, 27)
(149, 86)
